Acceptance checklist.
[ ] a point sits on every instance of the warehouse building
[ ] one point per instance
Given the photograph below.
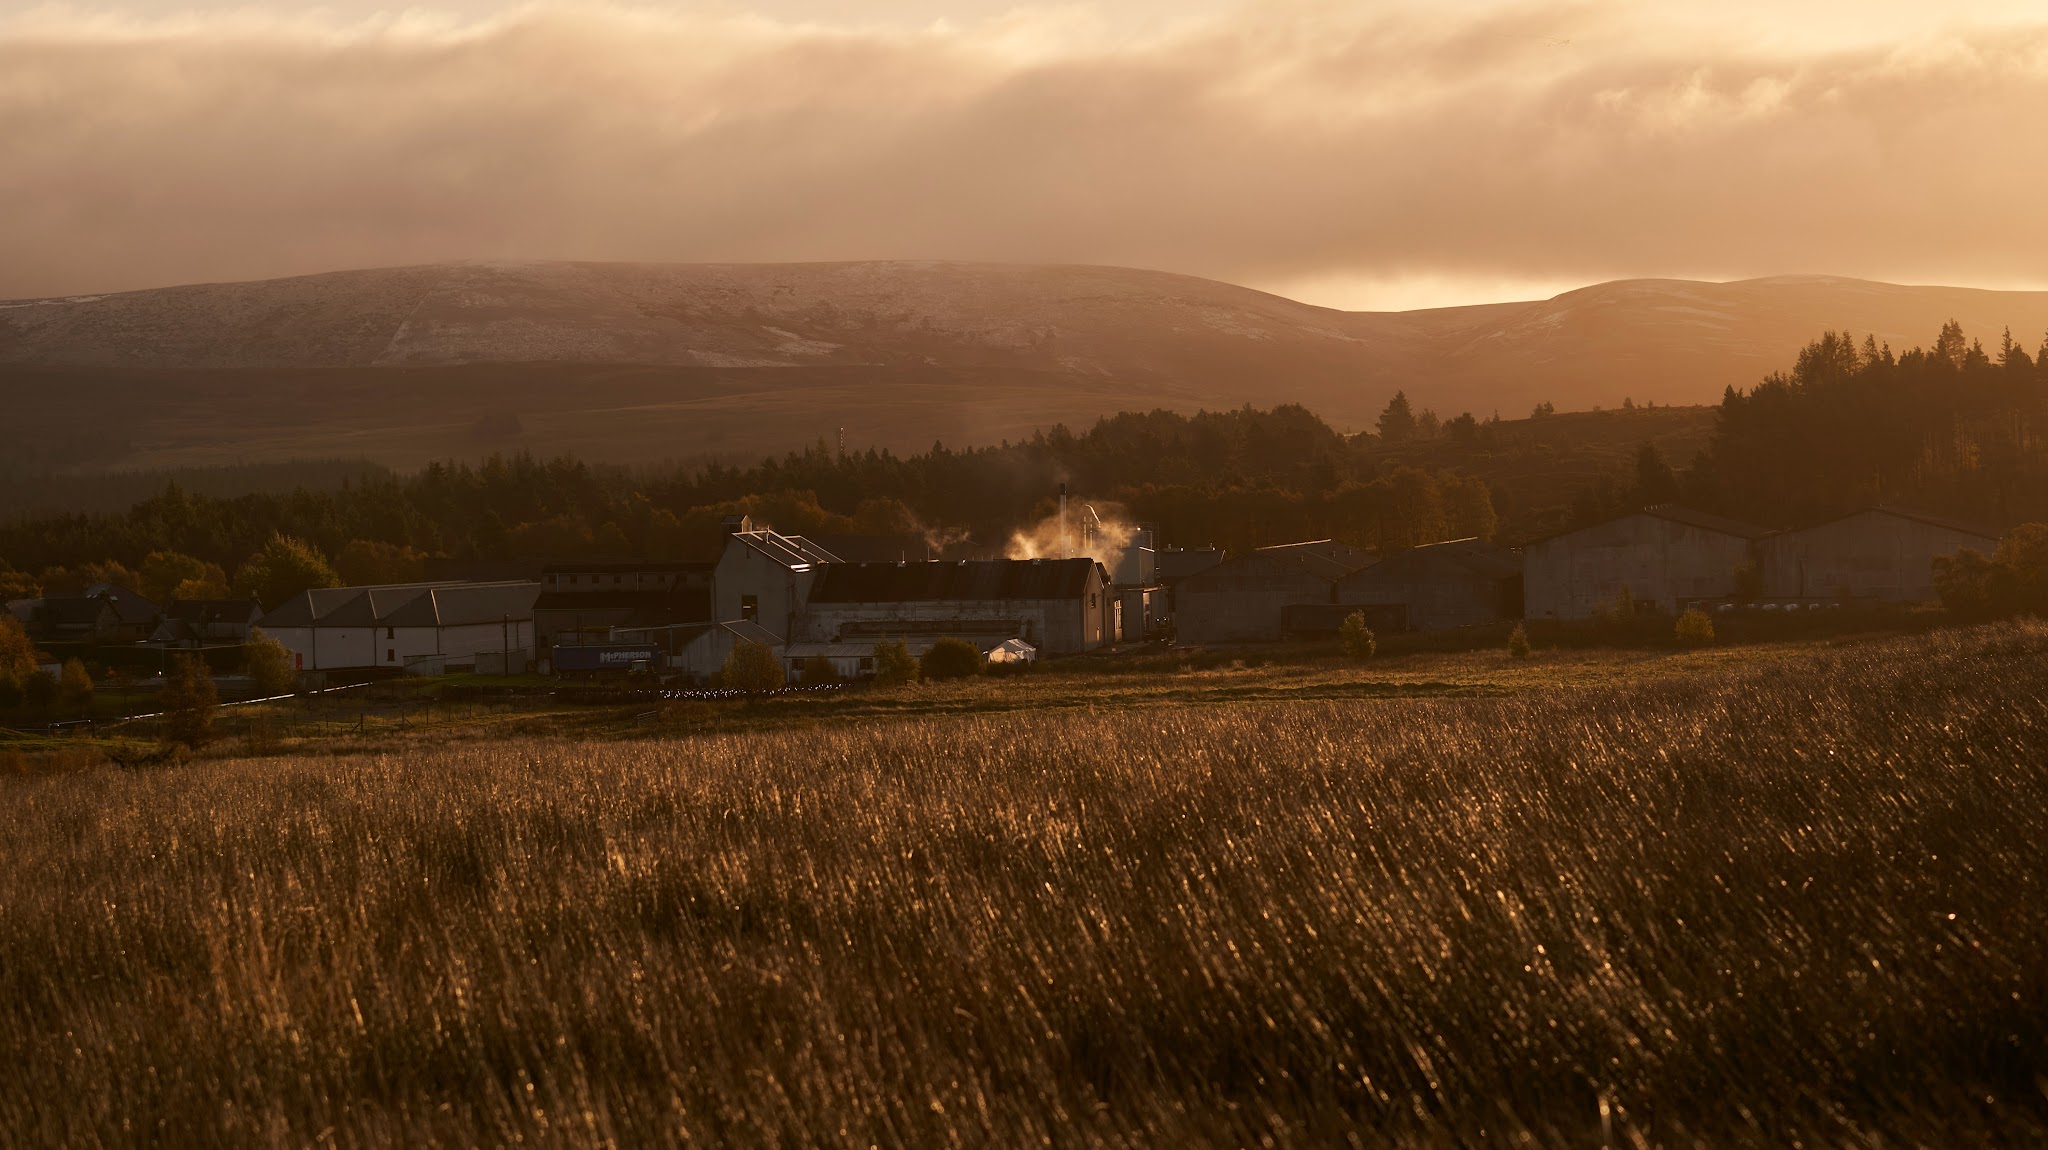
(1881, 553)
(1246, 599)
(1438, 586)
(1663, 559)
(1059, 606)
(418, 627)
(584, 602)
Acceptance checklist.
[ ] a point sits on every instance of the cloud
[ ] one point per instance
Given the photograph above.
(1293, 143)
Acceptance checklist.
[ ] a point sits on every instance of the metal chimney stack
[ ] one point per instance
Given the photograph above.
(1063, 523)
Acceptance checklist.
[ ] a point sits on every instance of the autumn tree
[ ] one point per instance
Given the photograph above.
(270, 664)
(752, 667)
(168, 575)
(74, 687)
(189, 700)
(371, 561)
(282, 568)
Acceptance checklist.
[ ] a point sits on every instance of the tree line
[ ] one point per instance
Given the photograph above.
(1952, 429)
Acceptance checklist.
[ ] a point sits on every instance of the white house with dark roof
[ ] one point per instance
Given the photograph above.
(1664, 557)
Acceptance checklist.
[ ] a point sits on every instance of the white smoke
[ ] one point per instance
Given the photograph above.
(1101, 532)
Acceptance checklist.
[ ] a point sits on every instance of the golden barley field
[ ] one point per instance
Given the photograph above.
(1796, 905)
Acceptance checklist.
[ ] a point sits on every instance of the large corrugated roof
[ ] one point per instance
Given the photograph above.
(465, 606)
(1705, 521)
(942, 581)
(378, 606)
(1957, 525)
(683, 604)
(1476, 556)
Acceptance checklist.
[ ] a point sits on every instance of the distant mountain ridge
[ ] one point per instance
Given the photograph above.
(745, 356)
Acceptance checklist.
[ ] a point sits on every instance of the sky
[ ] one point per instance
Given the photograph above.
(1378, 155)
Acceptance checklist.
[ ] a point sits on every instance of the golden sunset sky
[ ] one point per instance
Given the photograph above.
(1381, 155)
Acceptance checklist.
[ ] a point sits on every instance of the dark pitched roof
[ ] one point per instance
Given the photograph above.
(464, 606)
(1286, 560)
(129, 606)
(213, 610)
(1474, 556)
(73, 610)
(1181, 564)
(943, 581)
(1958, 525)
(1706, 522)
(624, 567)
(1324, 556)
(875, 548)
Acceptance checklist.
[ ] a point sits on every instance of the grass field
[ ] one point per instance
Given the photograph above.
(1795, 897)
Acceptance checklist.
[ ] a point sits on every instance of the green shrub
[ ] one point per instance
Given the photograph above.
(953, 659)
(1695, 628)
(1518, 643)
(752, 667)
(270, 664)
(1359, 641)
(2011, 581)
(894, 665)
(74, 687)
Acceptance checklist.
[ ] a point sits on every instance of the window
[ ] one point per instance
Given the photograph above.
(572, 580)
(750, 607)
(617, 579)
(390, 656)
(867, 664)
(391, 632)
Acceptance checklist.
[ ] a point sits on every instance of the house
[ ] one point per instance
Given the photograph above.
(1459, 583)
(1879, 553)
(1244, 599)
(74, 619)
(1059, 606)
(585, 602)
(765, 578)
(1664, 558)
(396, 626)
(206, 622)
(134, 616)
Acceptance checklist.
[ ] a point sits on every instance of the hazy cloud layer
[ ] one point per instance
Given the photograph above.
(1296, 143)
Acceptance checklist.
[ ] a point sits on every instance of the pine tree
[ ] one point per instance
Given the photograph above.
(1397, 422)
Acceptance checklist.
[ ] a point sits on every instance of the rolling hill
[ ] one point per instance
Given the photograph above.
(635, 362)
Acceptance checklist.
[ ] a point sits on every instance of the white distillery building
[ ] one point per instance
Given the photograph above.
(765, 578)
(1664, 557)
(400, 626)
